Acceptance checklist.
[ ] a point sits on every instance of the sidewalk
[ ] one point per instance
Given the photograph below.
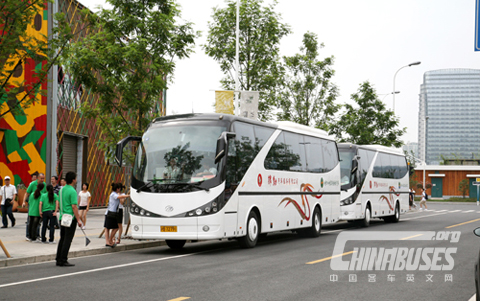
(23, 252)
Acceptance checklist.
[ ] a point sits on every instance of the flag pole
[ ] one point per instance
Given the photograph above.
(237, 64)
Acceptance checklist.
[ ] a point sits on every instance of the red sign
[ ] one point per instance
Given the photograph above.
(259, 180)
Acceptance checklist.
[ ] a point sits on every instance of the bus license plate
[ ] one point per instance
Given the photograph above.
(168, 228)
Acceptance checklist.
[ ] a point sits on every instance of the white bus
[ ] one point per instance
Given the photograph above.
(213, 176)
(374, 181)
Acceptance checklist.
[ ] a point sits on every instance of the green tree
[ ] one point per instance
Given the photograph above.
(260, 33)
(125, 61)
(307, 96)
(463, 187)
(368, 123)
(21, 46)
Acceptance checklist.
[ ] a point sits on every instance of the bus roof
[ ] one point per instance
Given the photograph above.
(373, 147)
(299, 128)
(210, 116)
(283, 125)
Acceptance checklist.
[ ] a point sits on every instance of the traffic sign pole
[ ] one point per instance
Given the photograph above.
(477, 183)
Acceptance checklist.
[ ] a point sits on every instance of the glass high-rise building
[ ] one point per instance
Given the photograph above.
(450, 109)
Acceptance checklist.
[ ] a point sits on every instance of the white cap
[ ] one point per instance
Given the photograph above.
(7, 178)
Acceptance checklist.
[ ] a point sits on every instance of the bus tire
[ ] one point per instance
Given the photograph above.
(395, 217)
(175, 244)
(253, 231)
(316, 228)
(368, 216)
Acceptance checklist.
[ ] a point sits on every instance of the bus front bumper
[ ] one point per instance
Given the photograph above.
(186, 228)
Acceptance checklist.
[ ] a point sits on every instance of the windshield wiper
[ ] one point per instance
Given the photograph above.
(149, 182)
(191, 185)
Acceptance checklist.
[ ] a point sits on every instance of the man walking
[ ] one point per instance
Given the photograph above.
(7, 197)
(68, 205)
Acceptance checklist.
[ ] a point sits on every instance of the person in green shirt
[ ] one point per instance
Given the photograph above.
(48, 212)
(34, 212)
(68, 204)
(36, 179)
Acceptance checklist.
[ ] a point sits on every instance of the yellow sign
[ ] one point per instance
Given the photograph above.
(478, 179)
(224, 102)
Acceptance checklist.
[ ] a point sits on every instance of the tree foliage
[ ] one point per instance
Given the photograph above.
(260, 33)
(24, 49)
(125, 61)
(463, 187)
(307, 95)
(369, 122)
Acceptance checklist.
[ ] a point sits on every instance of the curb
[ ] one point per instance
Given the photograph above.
(9, 262)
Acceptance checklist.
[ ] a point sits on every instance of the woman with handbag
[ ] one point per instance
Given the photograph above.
(111, 224)
(48, 212)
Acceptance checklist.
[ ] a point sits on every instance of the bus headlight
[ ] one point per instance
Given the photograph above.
(137, 210)
(209, 208)
(347, 201)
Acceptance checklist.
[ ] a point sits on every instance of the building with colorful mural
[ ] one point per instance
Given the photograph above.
(54, 137)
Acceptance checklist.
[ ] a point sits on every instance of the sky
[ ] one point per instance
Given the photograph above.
(370, 40)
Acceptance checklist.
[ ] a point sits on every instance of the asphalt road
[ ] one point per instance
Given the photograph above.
(281, 267)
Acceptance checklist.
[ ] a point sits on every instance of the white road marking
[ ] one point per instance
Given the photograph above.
(468, 211)
(473, 298)
(455, 211)
(96, 270)
(423, 216)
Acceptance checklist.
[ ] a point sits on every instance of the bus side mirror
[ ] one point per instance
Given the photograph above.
(354, 166)
(476, 231)
(120, 145)
(222, 145)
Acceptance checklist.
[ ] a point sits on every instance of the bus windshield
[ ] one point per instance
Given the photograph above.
(346, 157)
(178, 153)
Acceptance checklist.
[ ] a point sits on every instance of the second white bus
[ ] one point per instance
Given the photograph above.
(374, 183)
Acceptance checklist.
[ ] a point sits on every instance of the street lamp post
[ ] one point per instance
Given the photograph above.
(424, 149)
(396, 92)
(409, 65)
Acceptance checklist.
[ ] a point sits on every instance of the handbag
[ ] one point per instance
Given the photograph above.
(8, 202)
(66, 218)
(113, 214)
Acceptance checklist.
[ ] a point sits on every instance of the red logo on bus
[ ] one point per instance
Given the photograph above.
(259, 180)
(370, 184)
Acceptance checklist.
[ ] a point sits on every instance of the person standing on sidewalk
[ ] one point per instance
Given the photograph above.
(36, 179)
(68, 204)
(84, 198)
(111, 223)
(7, 197)
(424, 199)
(56, 190)
(34, 212)
(48, 212)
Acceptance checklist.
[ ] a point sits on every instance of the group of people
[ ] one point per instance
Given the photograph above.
(48, 204)
(423, 201)
(43, 206)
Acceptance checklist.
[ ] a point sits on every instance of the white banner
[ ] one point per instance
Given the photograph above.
(249, 104)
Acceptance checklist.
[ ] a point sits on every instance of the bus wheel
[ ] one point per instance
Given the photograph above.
(316, 228)
(368, 215)
(253, 232)
(175, 244)
(395, 217)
